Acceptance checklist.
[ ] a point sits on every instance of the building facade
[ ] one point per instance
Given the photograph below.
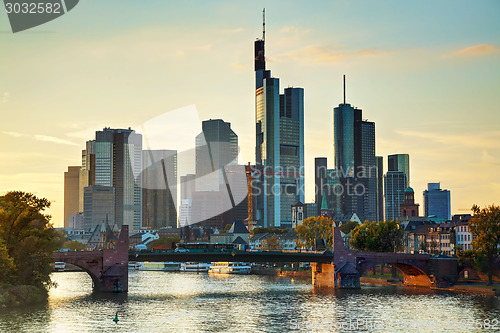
(99, 206)
(399, 162)
(159, 189)
(71, 193)
(380, 188)
(320, 181)
(114, 159)
(409, 208)
(279, 151)
(394, 193)
(216, 147)
(355, 162)
(437, 202)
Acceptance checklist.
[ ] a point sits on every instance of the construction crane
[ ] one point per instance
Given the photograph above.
(248, 171)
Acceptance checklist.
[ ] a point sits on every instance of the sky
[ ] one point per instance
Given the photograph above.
(426, 72)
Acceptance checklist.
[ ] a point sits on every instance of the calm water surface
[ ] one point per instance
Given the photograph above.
(185, 302)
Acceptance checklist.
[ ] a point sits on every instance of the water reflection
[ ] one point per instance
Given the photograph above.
(159, 302)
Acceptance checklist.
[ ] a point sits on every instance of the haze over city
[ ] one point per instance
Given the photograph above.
(426, 73)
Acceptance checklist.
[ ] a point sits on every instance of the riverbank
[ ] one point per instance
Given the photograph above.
(13, 296)
(470, 287)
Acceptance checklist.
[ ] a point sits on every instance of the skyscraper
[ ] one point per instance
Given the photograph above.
(355, 163)
(71, 194)
(320, 181)
(437, 201)
(279, 152)
(99, 206)
(380, 188)
(216, 147)
(159, 188)
(394, 193)
(399, 162)
(114, 159)
(220, 181)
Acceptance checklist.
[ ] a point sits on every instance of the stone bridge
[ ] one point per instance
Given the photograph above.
(108, 268)
(347, 266)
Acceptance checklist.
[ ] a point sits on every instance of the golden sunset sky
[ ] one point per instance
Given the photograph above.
(426, 72)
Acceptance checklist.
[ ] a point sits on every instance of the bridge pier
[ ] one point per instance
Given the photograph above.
(108, 268)
(344, 276)
(342, 272)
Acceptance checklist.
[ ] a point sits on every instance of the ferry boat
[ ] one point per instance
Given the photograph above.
(160, 266)
(196, 267)
(230, 268)
(59, 266)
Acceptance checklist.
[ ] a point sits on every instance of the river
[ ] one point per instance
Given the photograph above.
(187, 302)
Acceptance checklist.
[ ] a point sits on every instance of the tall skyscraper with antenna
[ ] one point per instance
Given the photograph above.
(279, 149)
(355, 162)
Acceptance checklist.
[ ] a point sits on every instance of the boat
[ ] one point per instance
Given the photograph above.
(160, 266)
(132, 265)
(196, 267)
(59, 266)
(230, 268)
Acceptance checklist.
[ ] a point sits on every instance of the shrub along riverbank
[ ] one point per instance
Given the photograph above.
(21, 295)
(27, 243)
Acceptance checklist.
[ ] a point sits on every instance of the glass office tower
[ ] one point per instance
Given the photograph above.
(394, 186)
(355, 163)
(114, 159)
(437, 202)
(279, 151)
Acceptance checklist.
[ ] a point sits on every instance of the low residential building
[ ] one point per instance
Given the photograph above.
(287, 241)
(441, 239)
(414, 236)
(238, 229)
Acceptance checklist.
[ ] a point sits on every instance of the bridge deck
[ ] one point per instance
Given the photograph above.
(268, 256)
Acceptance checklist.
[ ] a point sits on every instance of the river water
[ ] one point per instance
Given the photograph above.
(187, 302)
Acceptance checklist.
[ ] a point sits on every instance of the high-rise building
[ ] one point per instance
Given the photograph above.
(399, 162)
(394, 193)
(437, 201)
(355, 163)
(99, 206)
(221, 186)
(159, 189)
(185, 213)
(380, 188)
(216, 147)
(114, 159)
(320, 181)
(71, 194)
(188, 186)
(279, 152)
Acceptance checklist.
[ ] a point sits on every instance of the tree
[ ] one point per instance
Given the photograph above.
(313, 228)
(74, 245)
(163, 241)
(270, 230)
(227, 227)
(270, 244)
(6, 264)
(348, 227)
(29, 237)
(384, 236)
(485, 229)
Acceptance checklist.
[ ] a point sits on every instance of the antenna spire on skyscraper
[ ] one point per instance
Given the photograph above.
(344, 88)
(263, 24)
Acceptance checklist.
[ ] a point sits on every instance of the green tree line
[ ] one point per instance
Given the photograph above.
(27, 240)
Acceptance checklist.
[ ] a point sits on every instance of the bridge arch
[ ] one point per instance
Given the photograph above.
(93, 277)
(412, 275)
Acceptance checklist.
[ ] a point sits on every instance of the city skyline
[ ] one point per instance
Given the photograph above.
(431, 89)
